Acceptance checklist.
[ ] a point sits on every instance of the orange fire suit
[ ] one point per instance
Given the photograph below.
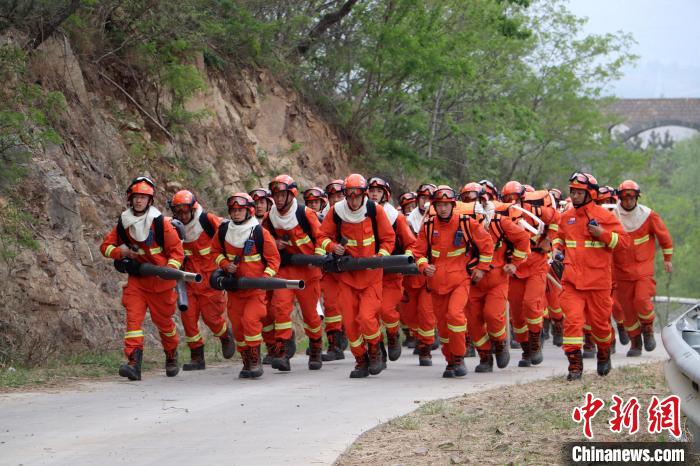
(360, 292)
(247, 308)
(297, 242)
(392, 283)
(587, 279)
(148, 292)
(449, 246)
(203, 300)
(634, 272)
(526, 293)
(486, 307)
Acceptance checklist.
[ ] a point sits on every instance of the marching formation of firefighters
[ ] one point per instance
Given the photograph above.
(446, 267)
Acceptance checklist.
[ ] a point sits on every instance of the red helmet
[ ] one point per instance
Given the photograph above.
(426, 189)
(377, 182)
(141, 185)
(529, 188)
(261, 193)
(444, 193)
(513, 187)
(355, 185)
(629, 185)
(586, 181)
(334, 187)
(471, 188)
(407, 198)
(283, 183)
(316, 194)
(489, 188)
(241, 201)
(606, 193)
(183, 198)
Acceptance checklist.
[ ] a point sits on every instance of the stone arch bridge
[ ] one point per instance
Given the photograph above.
(635, 116)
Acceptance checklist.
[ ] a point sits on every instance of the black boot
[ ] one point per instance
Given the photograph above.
(449, 372)
(525, 361)
(382, 349)
(342, 342)
(334, 352)
(375, 359)
(436, 341)
(291, 346)
(245, 359)
(254, 363)
(394, 343)
(558, 332)
(410, 341)
(171, 366)
(424, 356)
(132, 368)
(228, 345)
(196, 360)
(545, 330)
(361, 369)
(635, 346)
(270, 349)
(588, 346)
(648, 337)
(622, 334)
(513, 342)
(485, 362)
(575, 365)
(315, 347)
(502, 354)
(604, 363)
(281, 360)
(458, 365)
(471, 351)
(535, 348)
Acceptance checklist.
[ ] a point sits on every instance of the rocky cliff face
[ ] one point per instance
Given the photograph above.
(65, 295)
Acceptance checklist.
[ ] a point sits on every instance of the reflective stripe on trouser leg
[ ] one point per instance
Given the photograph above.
(573, 303)
(162, 306)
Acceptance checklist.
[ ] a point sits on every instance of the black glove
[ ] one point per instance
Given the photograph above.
(127, 265)
(557, 267)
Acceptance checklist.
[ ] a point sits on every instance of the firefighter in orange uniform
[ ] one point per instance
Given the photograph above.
(263, 203)
(333, 318)
(554, 313)
(199, 229)
(526, 293)
(634, 271)
(486, 306)
(243, 248)
(295, 229)
(358, 227)
(143, 235)
(417, 308)
(607, 197)
(392, 292)
(445, 245)
(588, 235)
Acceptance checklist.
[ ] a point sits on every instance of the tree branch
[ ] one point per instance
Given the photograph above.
(325, 23)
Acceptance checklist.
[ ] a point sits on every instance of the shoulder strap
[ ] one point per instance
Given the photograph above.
(206, 224)
(338, 222)
(270, 227)
(428, 225)
(121, 233)
(160, 230)
(303, 221)
(471, 247)
(372, 214)
(223, 228)
(259, 243)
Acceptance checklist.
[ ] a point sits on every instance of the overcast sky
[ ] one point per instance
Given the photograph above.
(668, 43)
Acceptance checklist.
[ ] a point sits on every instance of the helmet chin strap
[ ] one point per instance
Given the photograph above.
(358, 207)
(586, 200)
(287, 203)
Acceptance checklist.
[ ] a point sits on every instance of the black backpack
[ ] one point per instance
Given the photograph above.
(371, 213)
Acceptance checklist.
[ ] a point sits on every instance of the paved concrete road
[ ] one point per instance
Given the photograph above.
(209, 417)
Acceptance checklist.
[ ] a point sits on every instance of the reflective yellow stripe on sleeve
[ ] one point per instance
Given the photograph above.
(613, 240)
(422, 260)
(302, 241)
(351, 242)
(519, 254)
(219, 258)
(557, 241)
(325, 243)
(383, 252)
(108, 250)
(570, 244)
(553, 227)
(270, 272)
(667, 252)
(157, 250)
(434, 253)
(252, 258)
(485, 259)
(205, 251)
(593, 244)
(320, 251)
(174, 263)
(456, 252)
(187, 252)
(368, 241)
